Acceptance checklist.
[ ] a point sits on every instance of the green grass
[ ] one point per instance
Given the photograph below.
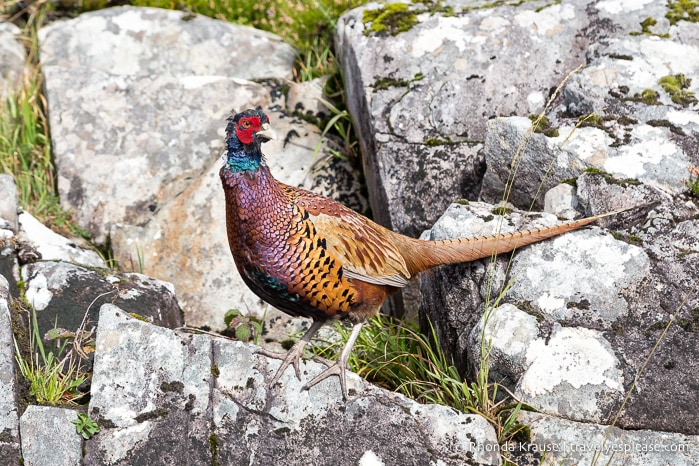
(55, 373)
(396, 356)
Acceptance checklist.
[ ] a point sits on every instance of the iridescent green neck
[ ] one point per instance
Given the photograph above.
(242, 158)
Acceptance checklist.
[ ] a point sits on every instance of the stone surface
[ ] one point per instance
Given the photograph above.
(12, 57)
(571, 442)
(421, 98)
(63, 294)
(210, 401)
(9, 417)
(149, 383)
(599, 302)
(146, 110)
(562, 202)
(48, 437)
(8, 203)
(507, 332)
(651, 139)
(54, 247)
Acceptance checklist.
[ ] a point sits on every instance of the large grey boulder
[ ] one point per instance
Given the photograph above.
(630, 111)
(12, 58)
(66, 295)
(135, 95)
(422, 97)
(567, 442)
(9, 415)
(582, 311)
(197, 400)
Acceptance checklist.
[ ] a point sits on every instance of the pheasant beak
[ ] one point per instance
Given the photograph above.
(266, 133)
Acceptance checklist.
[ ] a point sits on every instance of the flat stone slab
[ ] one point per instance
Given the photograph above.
(49, 437)
(158, 394)
(9, 416)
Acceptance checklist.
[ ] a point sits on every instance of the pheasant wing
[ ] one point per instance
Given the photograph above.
(365, 249)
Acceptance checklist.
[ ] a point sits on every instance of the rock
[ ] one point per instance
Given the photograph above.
(307, 98)
(579, 278)
(145, 111)
(12, 57)
(509, 332)
(48, 437)
(573, 373)
(8, 203)
(64, 295)
(211, 397)
(54, 247)
(630, 111)
(561, 201)
(565, 441)
(197, 259)
(9, 417)
(140, 396)
(589, 307)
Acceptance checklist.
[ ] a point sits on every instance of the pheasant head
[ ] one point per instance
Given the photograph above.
(245, 132)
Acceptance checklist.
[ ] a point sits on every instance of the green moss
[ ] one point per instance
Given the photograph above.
(214, 448)
(610, 179)
(570, 181)
(648, 97)
(392, 19)
(501, 211)
(691, 323)
(646, 24)
(215, 371)
(387, 83)
(541, 124)
(139, 317)
(431, 142)
(631, 239)
(462, 202)
(676, 86)
(682, 10)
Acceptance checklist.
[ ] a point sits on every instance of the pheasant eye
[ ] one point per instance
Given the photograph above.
(245, 124)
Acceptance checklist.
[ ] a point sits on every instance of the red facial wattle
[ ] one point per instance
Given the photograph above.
(246, 129)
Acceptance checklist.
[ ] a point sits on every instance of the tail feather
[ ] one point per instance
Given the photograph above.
(423, 255)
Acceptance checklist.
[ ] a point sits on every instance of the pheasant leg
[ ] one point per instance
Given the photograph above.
(339, 368)
(294, 355)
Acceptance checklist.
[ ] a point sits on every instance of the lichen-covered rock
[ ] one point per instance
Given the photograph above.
(8, 203)
(134, 97)
(197, 400)
(9, 415)
(49, 437)
(63, 294)
(563, 441)
(12, 58)
(599, 301)
(630, 111)
(51, 246)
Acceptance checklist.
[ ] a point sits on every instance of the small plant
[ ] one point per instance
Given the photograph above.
(54, 377)
(242, 327)
(693, 182)
(85, 426)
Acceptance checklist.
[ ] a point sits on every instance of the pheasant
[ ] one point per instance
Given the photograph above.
(311, 256)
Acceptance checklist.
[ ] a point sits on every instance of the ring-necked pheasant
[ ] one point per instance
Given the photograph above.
(311, 256)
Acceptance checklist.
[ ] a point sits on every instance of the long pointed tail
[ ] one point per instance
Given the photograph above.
(427, 254)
